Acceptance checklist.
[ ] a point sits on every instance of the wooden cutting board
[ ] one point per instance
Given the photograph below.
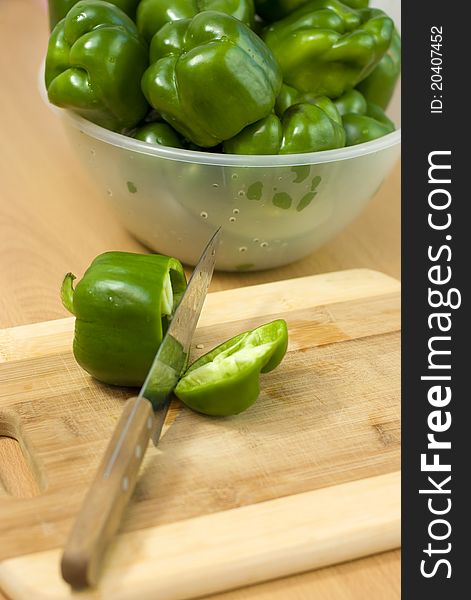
(305, 478)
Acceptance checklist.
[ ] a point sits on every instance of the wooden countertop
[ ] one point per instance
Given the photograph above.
(52, 220)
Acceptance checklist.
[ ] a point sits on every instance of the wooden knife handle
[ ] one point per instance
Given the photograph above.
(104, 504)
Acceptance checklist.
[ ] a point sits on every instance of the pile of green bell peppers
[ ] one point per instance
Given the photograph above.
(237, 76)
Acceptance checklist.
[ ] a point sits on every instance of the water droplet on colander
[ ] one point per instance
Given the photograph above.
(236, 211)
(203, 214)
(215, 185)
(243, 249)
(232, 219)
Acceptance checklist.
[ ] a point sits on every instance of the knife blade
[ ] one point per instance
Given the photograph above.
(142, 418)
(172, 356)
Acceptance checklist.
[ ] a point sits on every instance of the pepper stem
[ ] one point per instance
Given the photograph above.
(67, 292)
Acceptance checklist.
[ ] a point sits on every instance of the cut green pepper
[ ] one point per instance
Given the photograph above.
(94, 64)
(152, 15)
(122, 307)
(226, 380)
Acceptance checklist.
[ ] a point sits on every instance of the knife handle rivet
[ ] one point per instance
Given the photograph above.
(150, 422)
(138, 452)
(125, 484)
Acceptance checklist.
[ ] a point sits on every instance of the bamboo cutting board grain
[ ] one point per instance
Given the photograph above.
(305, 478)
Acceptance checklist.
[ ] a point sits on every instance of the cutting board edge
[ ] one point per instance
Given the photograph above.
(26, 341)
(367, 274)
(354, 534)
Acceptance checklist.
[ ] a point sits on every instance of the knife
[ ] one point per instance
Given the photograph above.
(142, 419)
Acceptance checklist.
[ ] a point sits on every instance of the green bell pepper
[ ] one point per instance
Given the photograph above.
(352, 102)
(226, 380)
(210, 77)
(263, 137)
(274, 10)
(122, 306)
(306, 127)
(159, 133)
(373, 124)
(326, 48)
(379, 86)
(94, 64)
(289, 96)
(59, 8)
(152, 15)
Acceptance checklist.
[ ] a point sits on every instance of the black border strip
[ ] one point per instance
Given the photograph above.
(427, 245)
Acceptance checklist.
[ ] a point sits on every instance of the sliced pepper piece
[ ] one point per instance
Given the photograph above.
(152, 15)
(305, 127)
(94, 64)
(274, 10)
(122, 306)
(159, 133)
(369, 126)
(59, 8)
(226, 380)
(379, 86)
(210, 76)
(326, 48)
